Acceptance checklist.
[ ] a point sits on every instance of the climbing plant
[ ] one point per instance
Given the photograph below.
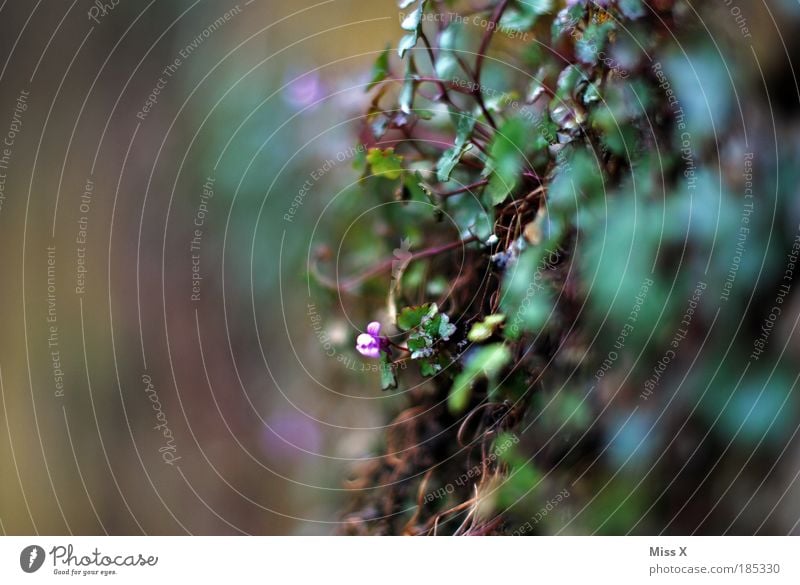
(555, 181)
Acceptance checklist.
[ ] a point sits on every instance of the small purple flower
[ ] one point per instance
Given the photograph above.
(370, 344)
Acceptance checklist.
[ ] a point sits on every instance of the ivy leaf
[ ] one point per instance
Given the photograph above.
(408, 41)
(506, 158)
(470, 215)
(486, 362)
(567, 83)
(410, 317)
(420, 345)
(428, 327)
(577, 179)
(429, 367)
(412, 185)
(593, 42)
(485, 329)
(380, 69)
(406, 98)
(438, 326)
(385, 163)
(567, 20)
(388, 377)
(452, 155)
(527, 296)
(524, 13)
(633, 9)
(412, 23)
(446, 62)
(414, 18)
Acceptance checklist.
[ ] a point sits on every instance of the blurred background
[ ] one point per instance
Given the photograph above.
(168, 172)
(155, 379)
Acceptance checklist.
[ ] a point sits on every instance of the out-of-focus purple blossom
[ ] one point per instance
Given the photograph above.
(303, 90)
(369, 344)
(291, 433)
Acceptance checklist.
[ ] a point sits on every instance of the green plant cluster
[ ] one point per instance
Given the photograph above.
(564, 197)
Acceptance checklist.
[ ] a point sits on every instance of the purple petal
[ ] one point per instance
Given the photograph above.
(368, 346)
(374, 329)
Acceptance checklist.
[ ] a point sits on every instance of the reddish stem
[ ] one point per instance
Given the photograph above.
(386, 265)
(447, 194)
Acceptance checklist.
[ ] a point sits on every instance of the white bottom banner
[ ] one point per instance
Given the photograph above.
(397, 560)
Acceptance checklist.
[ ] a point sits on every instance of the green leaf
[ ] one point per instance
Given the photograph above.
(408, 41)
(577, 180)
(444, 329)
(567, 20)
(567, 83)
(429, 367)
(485, 329)
(470, 215)
(486, 362)
(420, 345)
(523, 14)
(388, 377)
(446, 62)
(406, 98)
(413, 186)
(527, 297)
(385, 163)
(410, 317)
(593, 42)
(632, 9)
(412, 23)
(452, 155)
(380, 69)
(428, 327)
(506, 158)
